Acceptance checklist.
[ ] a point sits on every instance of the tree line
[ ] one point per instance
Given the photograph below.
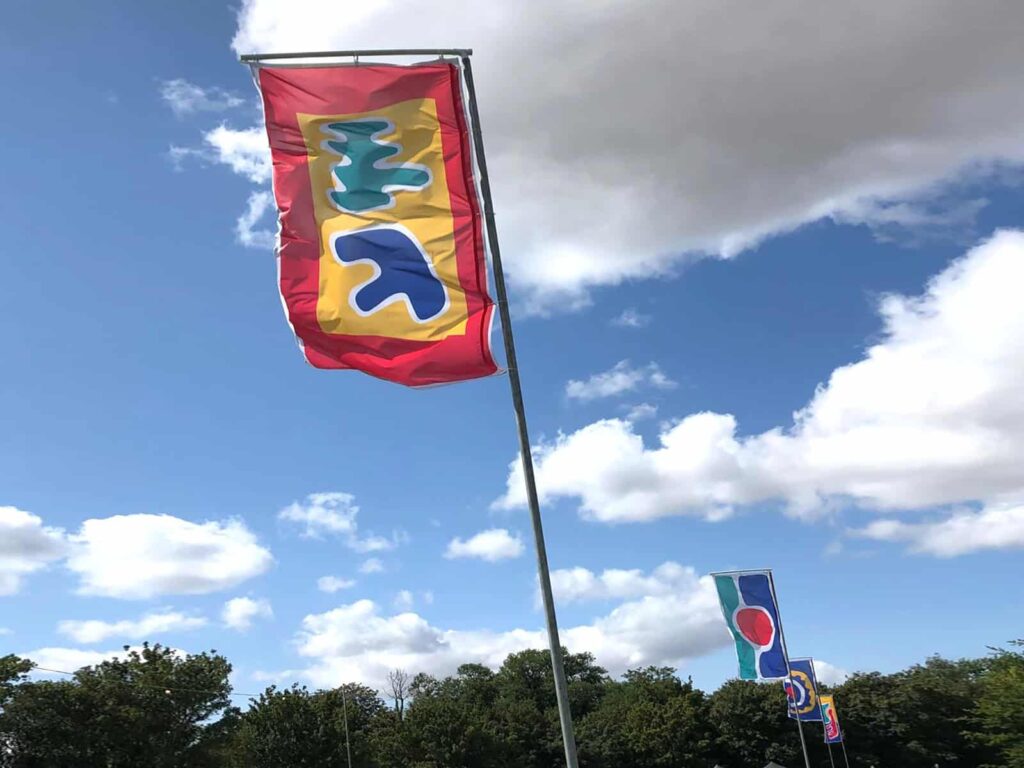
(155, 708)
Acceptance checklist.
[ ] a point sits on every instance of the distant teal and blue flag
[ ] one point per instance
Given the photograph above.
(749, 608)
(802, 691)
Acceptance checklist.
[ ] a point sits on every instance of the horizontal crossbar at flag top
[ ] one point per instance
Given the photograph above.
(257, 57)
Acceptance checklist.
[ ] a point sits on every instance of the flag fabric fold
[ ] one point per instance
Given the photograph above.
(802, 691)
(830, 717)
(381, 259)
(749, 607)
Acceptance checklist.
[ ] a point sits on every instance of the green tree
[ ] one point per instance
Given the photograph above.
(752, 725)
(13, 671)
(150, 707)
(526, 708)
(450, 722)
(50, 725)
(294, 727)
(1000, 708)
(916, 718)
(650, 720)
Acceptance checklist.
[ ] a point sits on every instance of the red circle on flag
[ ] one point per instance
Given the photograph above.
(755, 625)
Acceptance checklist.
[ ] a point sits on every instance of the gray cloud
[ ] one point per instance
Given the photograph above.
(626, 137)
(26, 546)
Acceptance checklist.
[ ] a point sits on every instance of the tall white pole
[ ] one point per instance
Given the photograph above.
(789, 672)
(557, 666)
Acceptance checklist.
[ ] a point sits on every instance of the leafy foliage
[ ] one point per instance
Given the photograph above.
(297, 728)
(150, 707)
(1000, 707)
(156, 707)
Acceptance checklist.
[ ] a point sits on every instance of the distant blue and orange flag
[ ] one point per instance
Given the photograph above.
(830, 717)
(802, 690)
(748, 605)
(381, 260)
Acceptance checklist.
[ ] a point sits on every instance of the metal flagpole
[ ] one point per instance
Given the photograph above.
(829, 745)
(561, 687)
(558, 668)
(251, 58)
(845, 758)
(842, 733)
(789, 671)
(344, 711)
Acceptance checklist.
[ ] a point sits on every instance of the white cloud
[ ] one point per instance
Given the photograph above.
(616, 478)
(241, 612)
(142, 556)
(642, 411)
(4, 631)
(997, 527)
(829, 674)
(335, 513)
(332, 584)
(630, 318)
(245, 228)
(26, 546)
(186, 98)
(622, 377)
(357, 642)
(372, 565)
(144, 628)
(68, 659)
(51, 660)
(178, 155)
(404, 600)
(245, 151)
(931, 415)
(580, 584)
(833, 548)
(491, 545)
(915, 221)
(865, 102)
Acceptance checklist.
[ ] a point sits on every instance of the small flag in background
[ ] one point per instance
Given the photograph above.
(381, 260)
(802, 690)
(833, 733)
(748, 605)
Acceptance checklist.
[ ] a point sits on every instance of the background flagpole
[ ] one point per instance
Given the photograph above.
(843, 743)
(789, 671)
(344, 710)
(829, 745)
(842, 733)
(561, 687)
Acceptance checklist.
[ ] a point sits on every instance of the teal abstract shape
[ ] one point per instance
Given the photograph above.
(364, 176)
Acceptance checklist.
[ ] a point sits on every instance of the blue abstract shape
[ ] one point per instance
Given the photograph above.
(756, 592)
(404, 271)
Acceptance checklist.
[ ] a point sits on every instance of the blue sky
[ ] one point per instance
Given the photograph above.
(148, 370)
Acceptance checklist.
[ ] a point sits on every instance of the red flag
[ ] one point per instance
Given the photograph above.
(381, 259)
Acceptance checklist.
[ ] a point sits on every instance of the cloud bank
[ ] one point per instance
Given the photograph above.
(670, 616)
(932, 415)
(653, 133)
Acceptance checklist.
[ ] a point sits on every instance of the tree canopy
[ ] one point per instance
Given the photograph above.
(157, 707)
